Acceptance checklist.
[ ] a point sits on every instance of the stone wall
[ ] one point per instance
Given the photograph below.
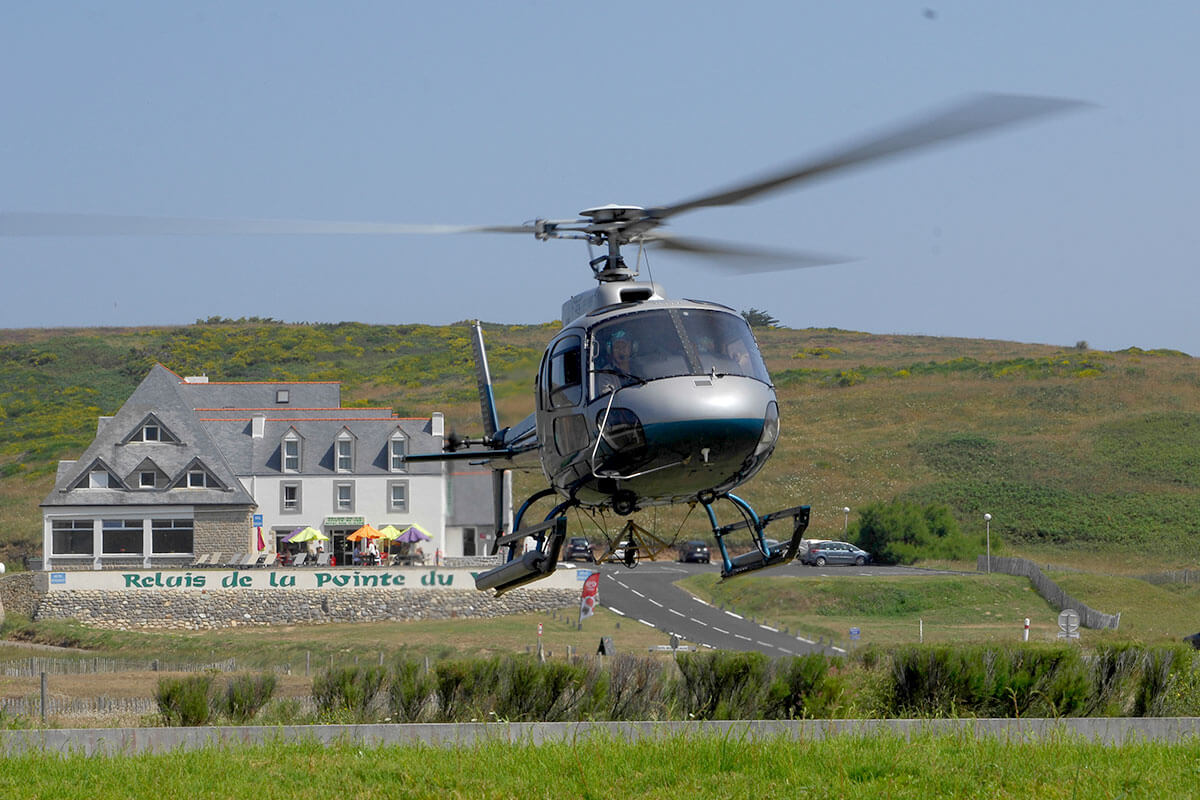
(217, 608)
(20, 593)
(225, 530)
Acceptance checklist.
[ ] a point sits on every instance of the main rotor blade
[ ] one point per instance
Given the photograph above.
(977, 114)
(743, 258)
(51, 224)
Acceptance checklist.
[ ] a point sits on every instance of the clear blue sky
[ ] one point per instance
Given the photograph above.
(1081, 227)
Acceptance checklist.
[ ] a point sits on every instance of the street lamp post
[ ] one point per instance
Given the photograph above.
(846, 524)
(987, 520)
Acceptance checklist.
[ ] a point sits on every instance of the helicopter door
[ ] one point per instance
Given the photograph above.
(563, 395)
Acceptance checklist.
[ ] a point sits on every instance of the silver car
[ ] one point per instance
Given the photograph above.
(821, 553)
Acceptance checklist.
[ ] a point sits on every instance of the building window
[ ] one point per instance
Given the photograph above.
(198, 479)
(147, 479)
(150, 432)
(283, 396)
(171, 535)
(343, 496)
(122, 537)
(98, 479)
(290, 498)
(71, 537)
(291, 455)
(398, 496)
(345, 455)
(397, 450)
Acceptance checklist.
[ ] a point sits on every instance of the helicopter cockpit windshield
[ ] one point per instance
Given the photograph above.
(664, 343)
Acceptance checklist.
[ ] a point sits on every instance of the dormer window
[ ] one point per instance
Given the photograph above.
(197, 476)
(291, 452)
(151, 430)
(98, 479)
(397, 450)
(147, 479)
(344, 452)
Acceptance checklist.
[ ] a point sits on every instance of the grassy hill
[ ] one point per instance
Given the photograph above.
(1074, 452)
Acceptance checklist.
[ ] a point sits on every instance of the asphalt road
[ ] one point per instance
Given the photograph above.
(647, 595)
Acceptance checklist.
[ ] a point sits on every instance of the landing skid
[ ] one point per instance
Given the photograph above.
(760, 556)
(534, 564)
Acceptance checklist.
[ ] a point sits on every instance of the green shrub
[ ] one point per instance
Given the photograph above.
(801, 688)
(245, 695)
(349, 690)
(184, 701)
(720, 684)
(900, 532)
(410, 689)
(948, 681)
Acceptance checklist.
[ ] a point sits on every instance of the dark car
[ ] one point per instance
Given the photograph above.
(821, 553)
(695, 551)
(578, 549)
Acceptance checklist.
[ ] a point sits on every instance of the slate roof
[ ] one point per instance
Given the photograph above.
(157, 396)
(206, 427)
(261, 395)
(263, 456)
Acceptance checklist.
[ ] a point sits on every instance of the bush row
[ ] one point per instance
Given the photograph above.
(910, 681)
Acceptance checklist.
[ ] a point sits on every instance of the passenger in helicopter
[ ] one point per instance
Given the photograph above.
(740, 354)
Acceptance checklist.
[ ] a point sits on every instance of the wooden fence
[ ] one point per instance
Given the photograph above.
(1051, 591)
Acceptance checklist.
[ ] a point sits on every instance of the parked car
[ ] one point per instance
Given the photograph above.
(578, 549)
(618, 553)
(695, 551)
(821, 553)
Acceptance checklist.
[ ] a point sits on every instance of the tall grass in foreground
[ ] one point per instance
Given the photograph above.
(694, 767)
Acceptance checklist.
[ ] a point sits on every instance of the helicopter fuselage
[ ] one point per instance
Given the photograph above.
(652, 402)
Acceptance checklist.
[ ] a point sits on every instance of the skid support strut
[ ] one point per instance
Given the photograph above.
(760, 555)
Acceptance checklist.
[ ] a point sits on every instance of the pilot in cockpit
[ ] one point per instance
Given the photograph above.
(615, 366)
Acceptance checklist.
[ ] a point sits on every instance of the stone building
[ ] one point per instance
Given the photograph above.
(189, 467)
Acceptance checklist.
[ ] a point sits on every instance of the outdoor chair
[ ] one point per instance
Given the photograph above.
(250, 560)
(202, 560)
(300, 559)
(236, 561)
(268, 561)
(323, 559)
(214, 560)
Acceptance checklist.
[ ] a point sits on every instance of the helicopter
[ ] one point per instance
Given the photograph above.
(641, 400)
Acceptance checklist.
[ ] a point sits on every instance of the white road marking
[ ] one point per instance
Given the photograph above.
(764, 644)
(698, 621)
(648, 624)
(743, 638)
(785, 650)
(635, 591)
(768, 628)
(677, 613)
(698, 600)
(616, 611)
(655, 602)
(806, 641)
(735, 616)
(720, 630)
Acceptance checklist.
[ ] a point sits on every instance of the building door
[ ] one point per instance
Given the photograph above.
(468, 541)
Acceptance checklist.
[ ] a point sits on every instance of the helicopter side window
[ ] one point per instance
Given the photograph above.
(565, 385)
